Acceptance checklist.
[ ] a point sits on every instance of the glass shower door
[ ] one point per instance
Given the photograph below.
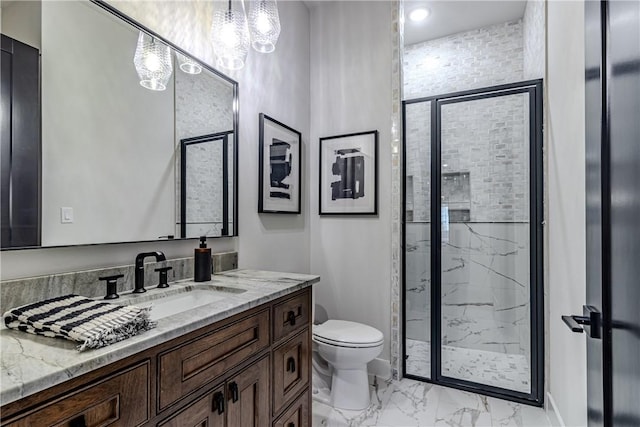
(485, 253)
(417, 304)
(473, 289)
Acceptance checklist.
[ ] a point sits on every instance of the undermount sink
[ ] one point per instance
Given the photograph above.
(178, 299)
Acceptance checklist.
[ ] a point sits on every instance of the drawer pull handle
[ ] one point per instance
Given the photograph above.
(291, 364)
(78, 422)
(218, 402)
(233, 388)
(291, 425)
(291, 318)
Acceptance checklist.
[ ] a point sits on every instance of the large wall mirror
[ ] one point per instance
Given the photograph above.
(92, 155)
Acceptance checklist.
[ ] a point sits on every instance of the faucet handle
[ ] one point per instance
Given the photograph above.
(163, 276)
(112, 285)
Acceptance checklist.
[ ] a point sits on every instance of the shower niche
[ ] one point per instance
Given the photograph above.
(456, 196)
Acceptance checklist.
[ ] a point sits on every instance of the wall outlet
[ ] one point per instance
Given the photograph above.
(66, 215)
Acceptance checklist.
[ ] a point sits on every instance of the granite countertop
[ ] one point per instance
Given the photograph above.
(31, 363)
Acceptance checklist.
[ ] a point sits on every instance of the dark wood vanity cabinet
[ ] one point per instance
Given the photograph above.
(250, 370)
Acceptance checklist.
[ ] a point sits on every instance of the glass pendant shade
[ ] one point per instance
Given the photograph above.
(153, 62)
(188, 65)
(264, 25)
(230, 37)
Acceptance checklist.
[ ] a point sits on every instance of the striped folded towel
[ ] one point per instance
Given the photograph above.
(92, 323)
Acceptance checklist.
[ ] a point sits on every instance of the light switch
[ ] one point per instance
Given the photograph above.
(66, 215)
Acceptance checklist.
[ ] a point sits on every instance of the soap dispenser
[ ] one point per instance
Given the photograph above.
(202, 262)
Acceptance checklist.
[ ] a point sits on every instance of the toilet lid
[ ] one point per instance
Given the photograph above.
(345, 332)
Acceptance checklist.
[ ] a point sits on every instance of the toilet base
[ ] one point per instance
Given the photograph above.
(350, 389)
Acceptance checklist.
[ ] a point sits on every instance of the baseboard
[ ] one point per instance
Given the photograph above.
(553, 414)
(380, 368)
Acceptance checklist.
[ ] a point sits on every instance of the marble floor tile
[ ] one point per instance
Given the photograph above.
(408, 403)
(510, 371)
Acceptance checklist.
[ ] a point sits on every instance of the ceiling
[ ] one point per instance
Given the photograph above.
(452, 16)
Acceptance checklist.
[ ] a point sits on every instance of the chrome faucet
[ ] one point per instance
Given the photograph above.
(139, 269)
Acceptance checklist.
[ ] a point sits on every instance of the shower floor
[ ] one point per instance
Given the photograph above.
(509, 371)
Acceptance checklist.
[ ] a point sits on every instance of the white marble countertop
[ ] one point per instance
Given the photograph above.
(31, 363)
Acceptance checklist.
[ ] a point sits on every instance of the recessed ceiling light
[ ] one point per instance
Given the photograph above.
(418, 15)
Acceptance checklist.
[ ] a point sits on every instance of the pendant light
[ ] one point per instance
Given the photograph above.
(264, 25)
(153, 62)
(188, 65)
(230, 36)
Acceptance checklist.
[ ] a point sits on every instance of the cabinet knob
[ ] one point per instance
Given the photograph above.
(291, 364)
(218, 402)
(291, 318)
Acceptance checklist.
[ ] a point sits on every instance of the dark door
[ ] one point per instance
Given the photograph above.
(611, 318)
(20, 144)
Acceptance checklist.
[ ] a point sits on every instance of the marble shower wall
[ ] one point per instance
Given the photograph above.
(485, 286)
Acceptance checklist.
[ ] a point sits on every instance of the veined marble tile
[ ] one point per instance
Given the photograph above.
(510, 371)
(409, 403)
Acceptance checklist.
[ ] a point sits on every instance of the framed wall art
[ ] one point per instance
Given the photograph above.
(280, 177)
(348, 174)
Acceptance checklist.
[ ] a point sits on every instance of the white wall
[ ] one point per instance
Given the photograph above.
(351, 92)
(565, 152)
(277, 84)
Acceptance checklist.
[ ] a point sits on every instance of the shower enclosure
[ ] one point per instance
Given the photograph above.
(473, 289)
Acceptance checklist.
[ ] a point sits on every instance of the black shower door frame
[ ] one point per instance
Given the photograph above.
(536, 221)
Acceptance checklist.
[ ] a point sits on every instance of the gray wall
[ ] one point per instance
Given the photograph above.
(351, 92)
(565, 233)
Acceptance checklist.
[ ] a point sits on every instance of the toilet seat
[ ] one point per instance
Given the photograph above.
(342, 333)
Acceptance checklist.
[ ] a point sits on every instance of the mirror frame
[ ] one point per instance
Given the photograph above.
(138, 26)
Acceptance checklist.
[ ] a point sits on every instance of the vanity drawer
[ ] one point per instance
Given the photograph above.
(290, 370)
(291, 315)
(297, 415)
(190, 366)
(119, 400)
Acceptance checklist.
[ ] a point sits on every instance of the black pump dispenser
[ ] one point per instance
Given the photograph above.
(202, 262)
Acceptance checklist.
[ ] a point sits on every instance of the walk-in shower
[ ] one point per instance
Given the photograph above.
(473, 240)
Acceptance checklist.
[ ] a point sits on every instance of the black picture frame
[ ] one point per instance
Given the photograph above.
(354, 159)
(279, 171)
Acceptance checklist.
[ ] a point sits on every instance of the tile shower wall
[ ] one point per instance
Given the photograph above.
(485, 270)
(484, 57)
(205, 164)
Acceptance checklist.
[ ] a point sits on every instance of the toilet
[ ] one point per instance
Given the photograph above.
(347, 347)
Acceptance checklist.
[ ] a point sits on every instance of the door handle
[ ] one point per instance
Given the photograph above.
(291, 364)
(218, 402)
(233, 388)
(291, 318)
(590, 322)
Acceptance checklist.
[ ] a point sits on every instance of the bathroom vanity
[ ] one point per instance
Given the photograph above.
(241, 361)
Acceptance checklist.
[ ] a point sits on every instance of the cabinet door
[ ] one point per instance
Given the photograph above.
(297, 415)
(206, 412)
(248, 396)
(290, 370)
